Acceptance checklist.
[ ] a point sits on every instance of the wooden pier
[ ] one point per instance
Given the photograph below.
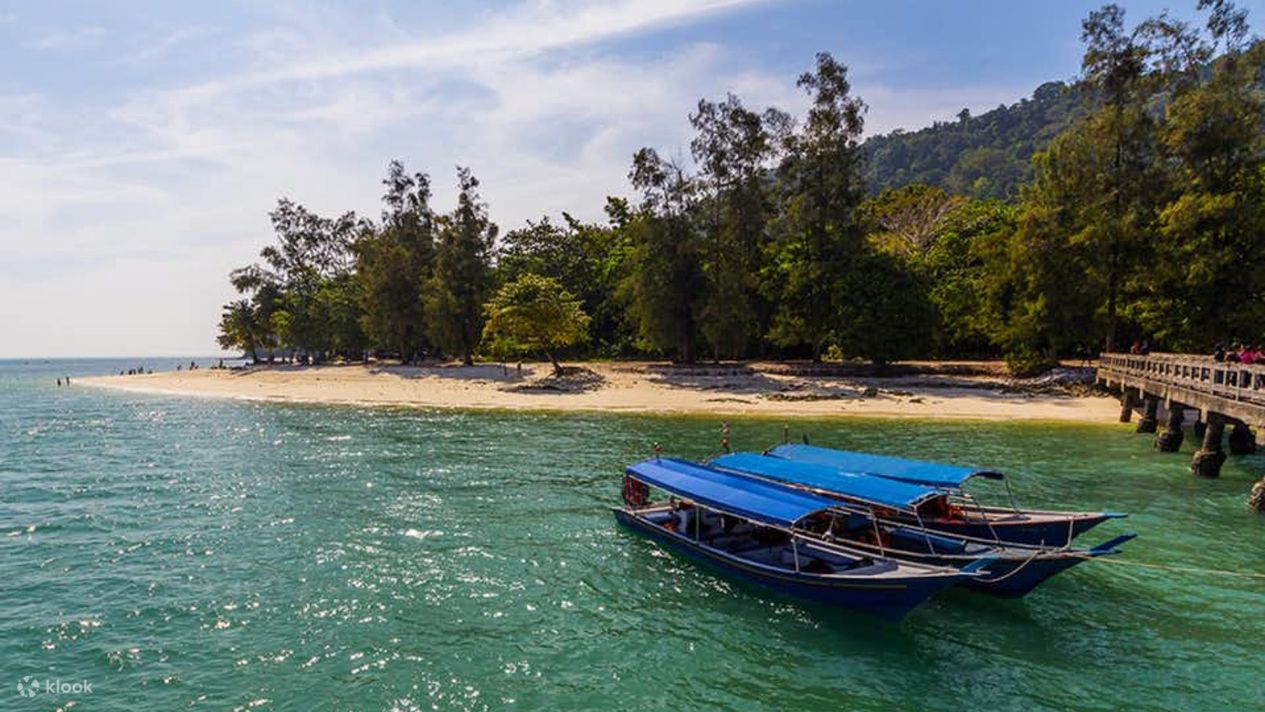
(1222, 394)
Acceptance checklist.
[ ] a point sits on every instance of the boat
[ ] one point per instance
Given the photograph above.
(962, 515)
(882, 516)
(752, 530)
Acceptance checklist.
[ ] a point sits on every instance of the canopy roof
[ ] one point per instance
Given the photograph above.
(895, 468)
(726, 492)
(871, 490)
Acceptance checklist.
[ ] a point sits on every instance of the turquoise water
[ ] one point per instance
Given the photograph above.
(181, 553)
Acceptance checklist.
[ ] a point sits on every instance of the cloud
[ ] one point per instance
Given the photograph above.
(151, 51)
(123, 212)
(131, 213)
(74, 38)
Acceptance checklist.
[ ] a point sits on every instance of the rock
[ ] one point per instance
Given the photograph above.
(1256, 500)
(870, 392)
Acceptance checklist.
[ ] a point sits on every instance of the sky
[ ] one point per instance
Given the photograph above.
(142, 144)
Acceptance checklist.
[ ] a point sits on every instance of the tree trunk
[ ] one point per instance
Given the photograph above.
(557, 367)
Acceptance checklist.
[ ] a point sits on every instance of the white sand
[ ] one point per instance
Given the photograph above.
(756, 389)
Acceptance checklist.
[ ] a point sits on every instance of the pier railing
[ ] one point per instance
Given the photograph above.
(1234, 381)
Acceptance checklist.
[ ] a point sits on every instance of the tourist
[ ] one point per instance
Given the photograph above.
(1145, 348)
(1136, 348)
(1233, 355)
(59, 383)
(1218, 354)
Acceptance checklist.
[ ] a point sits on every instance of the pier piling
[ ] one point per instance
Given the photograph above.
(1223, 393)
(1128, 400)
(1170, 439)
(1210, 456)
(1150, 414)
(1242, 442)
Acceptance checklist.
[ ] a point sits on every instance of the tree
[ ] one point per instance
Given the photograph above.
(588, 260)
(1210, 283)
(734, 147)
(1114, 64)
(462, 276)
(664, 284)
(817, 234)
(394, 264)
(908, 221)
(239, 328)
(534, 314)
(310, 251)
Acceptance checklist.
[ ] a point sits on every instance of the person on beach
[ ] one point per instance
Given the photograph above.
(59, 383)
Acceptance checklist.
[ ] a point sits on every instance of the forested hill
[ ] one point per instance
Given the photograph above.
(985, 156)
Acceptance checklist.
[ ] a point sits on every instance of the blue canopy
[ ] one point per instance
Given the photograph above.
(871, 490)
(725, 492)
(895, 468)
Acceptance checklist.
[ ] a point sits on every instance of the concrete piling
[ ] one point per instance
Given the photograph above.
(1242, 441)
(1209, 458)
(1150, 415)
(1170, 439)
(1128, 400)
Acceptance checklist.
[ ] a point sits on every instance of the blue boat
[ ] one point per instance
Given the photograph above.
(881, 516)
(961, 514)
(750, 529)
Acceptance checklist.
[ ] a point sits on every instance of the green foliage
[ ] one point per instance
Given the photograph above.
(394, 264)
(817, 234)
(1128, 205)
(589, 260)
(663, 286)
(734, 148)
(462, 275)
(985, 156)
(534, 314)
(239, 328)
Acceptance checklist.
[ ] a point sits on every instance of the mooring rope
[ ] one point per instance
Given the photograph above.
(1181, 569)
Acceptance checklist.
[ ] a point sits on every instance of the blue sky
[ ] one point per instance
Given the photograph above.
(142, 143)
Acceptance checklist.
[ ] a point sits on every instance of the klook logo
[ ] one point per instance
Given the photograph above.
(29, 686)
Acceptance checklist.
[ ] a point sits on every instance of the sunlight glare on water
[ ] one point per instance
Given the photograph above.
(225, 555)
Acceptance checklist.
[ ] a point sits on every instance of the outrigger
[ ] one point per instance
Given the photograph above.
(962, 514)
(754, 531)
(872, 514)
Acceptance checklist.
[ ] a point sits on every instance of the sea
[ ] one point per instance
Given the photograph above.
(162, 552)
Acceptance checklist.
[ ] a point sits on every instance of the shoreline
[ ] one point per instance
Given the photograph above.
(768, 390)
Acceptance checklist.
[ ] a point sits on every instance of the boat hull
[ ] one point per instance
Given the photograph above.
(1010, 578)
(888, 598)
(1043, 533)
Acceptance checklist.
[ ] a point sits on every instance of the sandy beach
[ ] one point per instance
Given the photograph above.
(747, 389)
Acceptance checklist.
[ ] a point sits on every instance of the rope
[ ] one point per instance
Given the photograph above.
(1180, 569)
(1016, 570)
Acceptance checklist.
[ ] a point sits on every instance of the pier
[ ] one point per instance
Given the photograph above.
(1164, 387)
